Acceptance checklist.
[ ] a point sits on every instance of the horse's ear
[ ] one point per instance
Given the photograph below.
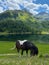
(16, 40)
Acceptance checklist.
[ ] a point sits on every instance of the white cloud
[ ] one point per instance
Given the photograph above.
(28, 4)
(13, 4)
(34, 7)
(33, 11)
(1, 9)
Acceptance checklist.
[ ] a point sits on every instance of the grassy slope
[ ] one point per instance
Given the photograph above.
(13, 60)
(5, 47)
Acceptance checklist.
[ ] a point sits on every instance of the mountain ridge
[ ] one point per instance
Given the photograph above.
(17, 21)
(42, 16)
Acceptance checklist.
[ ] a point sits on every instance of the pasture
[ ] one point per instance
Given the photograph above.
(11, 57)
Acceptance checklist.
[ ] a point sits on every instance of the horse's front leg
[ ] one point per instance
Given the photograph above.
(22, 52)
(18, 50)
(27, 52)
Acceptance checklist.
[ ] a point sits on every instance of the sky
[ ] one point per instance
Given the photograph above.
(33, 6)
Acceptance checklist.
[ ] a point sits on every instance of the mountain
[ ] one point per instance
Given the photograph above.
(42, 16)
(43, 19)
(17, 21)
(23, 22)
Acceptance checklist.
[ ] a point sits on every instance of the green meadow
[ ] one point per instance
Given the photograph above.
(11, 57)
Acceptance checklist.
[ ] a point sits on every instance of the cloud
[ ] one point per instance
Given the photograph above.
(33, 11)
(1, 9)
(34, 8)
(22, 4)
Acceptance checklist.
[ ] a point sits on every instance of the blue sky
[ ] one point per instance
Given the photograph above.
(41, 2)
(33, 6)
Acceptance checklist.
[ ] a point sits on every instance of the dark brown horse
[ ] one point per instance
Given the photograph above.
(26, 45)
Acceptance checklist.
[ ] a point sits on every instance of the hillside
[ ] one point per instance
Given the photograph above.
(43, 19)
(17, 22)
(21, 22)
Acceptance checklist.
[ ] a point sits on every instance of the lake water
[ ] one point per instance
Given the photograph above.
(35, 37)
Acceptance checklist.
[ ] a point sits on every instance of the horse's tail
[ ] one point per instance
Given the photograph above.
(13, 48)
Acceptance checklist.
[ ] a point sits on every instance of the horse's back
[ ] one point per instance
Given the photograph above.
(27, 45)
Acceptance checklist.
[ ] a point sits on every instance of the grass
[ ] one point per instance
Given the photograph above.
(15, 60)
(5, 47)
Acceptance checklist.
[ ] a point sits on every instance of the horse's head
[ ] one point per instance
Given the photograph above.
(17, 44)
(34, 51)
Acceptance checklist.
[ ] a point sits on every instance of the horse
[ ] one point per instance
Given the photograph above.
(25, 45)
